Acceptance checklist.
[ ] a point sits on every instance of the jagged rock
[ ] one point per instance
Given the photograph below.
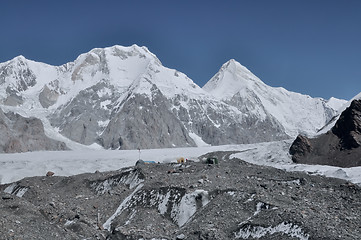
(160, 128)
(300, 147)
(12, 99)
(20, 134)
(85, 116)
(338, 147)
(48, 97)
(348, 127)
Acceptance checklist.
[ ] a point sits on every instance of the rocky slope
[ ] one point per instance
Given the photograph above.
(124, 98)
(20, 134)
(231, 200)
(338, 147)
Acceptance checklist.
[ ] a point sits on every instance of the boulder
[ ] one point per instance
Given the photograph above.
(300, 147)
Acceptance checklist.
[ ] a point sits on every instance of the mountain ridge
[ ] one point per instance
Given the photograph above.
(105, 87)
(290, 109)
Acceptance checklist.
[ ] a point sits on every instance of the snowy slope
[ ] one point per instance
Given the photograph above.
(93, 87)
(236, 85)
(124, 98)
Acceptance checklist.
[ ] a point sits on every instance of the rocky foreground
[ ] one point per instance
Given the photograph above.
(195, 200)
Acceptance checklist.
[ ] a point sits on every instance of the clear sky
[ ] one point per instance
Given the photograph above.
(309, 46)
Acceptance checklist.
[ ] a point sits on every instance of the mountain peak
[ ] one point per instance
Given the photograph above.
(121, 53)
(234, 66)
(18, 59)
(230, 79)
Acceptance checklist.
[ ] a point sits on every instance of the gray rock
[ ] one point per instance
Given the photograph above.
(145, 123)
(48, 97)
(19, 134)
(181, 237)
(85, 117)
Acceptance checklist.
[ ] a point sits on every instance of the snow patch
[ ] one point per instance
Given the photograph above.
(103, 124)
(105, 103)
(231, 193)
(68, 223)
(104, 92)
(198, 140)
(289, 229)
(162, 207)
(16, 190)
(130, 178)
(188, 206)
(259, 207)
(121, 208)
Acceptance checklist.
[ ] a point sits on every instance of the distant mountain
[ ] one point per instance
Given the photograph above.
(295, 113)
(124, 98)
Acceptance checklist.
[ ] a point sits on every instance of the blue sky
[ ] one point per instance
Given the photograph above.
(311, 47)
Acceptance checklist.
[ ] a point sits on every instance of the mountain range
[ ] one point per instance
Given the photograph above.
(124, 98)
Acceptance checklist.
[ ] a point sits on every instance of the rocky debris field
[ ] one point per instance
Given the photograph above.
(195, 200)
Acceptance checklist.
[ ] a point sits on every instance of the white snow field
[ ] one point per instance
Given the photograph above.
(16, 166)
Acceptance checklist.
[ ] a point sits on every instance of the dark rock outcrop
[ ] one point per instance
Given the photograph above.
(338, 147)
(20, 134)
(348, 127)
(300, 147)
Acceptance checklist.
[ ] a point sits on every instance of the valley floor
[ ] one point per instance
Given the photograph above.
(14, 167)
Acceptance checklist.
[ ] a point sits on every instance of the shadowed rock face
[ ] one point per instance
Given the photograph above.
(300, 147)
(19, 134)
(348, 127)
(338, 147)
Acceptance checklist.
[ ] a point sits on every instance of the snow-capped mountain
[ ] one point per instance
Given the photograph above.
(296, 113)
(123, 97)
